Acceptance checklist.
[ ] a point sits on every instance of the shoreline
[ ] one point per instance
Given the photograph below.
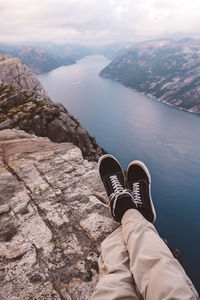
(152, 97)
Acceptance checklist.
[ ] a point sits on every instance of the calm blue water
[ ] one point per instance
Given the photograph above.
(132, 126)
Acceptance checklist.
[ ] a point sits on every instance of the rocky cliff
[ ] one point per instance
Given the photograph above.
(52, 204)
(52, 219)
(167, 70)
(30, 109)
(14, 72)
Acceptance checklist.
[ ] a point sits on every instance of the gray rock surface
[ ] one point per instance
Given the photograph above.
(14, 72)
(52, 219)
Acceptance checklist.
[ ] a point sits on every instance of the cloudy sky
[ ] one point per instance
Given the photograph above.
(97, 21)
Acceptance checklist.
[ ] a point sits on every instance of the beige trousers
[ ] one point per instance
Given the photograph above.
(135, 263)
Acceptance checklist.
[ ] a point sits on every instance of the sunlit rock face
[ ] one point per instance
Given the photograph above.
(52, 219)
(14, 72)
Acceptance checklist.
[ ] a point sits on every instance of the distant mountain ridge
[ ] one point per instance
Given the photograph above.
(38, 59)
(44, 57)
(165, 69)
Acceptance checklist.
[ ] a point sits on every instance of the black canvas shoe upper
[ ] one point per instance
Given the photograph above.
(112, 176)
(139, 182)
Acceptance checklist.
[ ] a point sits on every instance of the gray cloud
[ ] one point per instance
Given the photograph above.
(97, 21)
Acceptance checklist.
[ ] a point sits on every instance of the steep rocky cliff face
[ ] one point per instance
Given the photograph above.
(52, 204)
(15, 73)
(52, 219)
(166, 70)
(30, 109)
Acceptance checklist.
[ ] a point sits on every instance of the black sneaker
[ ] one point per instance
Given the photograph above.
(139, 182)
(111, 173)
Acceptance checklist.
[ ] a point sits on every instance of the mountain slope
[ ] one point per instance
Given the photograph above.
(40, 61)
(38, 58)
(166, 70)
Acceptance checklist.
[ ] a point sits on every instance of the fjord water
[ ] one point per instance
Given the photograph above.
(133, 126)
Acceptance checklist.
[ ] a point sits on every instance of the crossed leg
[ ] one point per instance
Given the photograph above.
(115, 279)
(135, 263)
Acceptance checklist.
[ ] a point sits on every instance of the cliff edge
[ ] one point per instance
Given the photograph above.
(52, 219)
(25, 105)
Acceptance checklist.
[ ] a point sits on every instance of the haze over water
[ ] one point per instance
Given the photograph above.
(133, 126)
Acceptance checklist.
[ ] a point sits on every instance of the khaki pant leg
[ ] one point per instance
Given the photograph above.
(158, 275)
(115, 279)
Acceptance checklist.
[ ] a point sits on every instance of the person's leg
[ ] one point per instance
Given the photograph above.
(115, 279)
(158, 275)
(151, 262)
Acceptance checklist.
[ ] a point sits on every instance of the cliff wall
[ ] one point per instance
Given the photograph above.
(24, 104)
(14, 72)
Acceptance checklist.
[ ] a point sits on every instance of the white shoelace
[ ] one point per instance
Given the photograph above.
(117, 187)
(136, 194)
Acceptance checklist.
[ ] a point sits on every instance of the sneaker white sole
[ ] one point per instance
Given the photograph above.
(143, 166)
